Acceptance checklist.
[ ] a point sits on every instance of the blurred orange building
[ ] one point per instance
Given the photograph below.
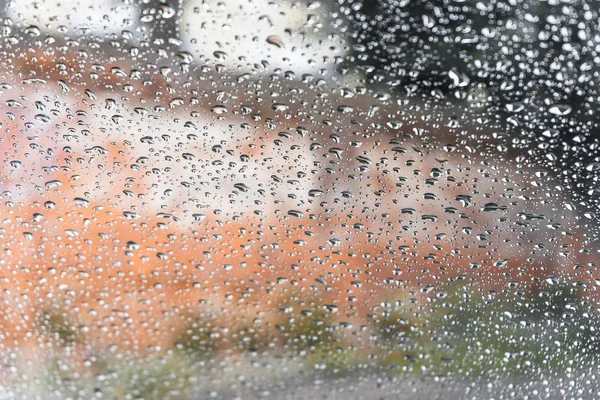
(129, 206)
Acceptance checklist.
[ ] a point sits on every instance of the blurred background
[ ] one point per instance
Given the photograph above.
(260, 199)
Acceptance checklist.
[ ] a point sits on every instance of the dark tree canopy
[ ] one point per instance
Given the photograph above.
(534, 64)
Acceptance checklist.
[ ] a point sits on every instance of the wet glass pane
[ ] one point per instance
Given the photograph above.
(246, 199)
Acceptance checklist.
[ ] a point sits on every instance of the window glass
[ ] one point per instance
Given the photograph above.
(243, 199)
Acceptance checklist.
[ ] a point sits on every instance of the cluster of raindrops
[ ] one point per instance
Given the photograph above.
(266, 199)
